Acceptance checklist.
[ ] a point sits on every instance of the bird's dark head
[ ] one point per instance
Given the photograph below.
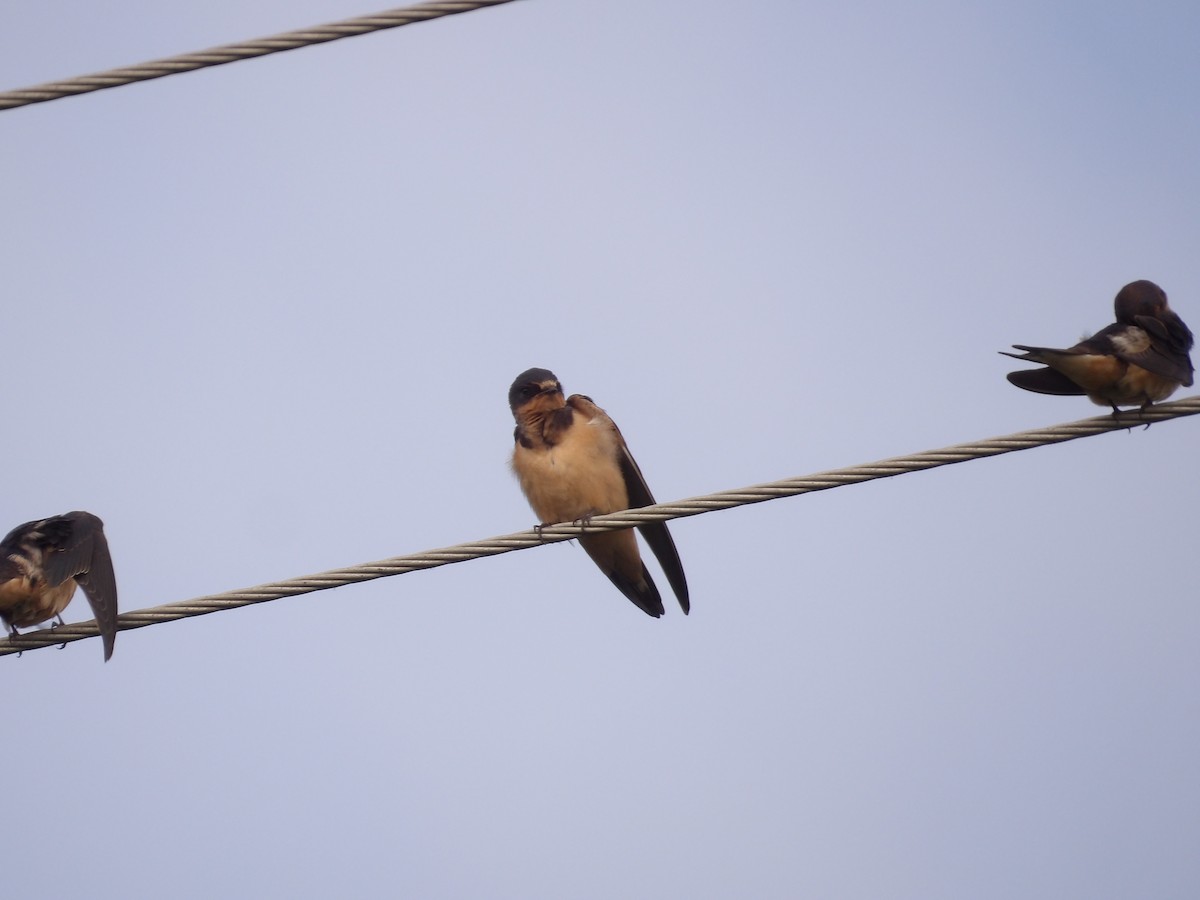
(1139, 301)
(1139, 298)
(535, 387)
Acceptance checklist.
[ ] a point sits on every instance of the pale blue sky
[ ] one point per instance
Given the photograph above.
(263, 319)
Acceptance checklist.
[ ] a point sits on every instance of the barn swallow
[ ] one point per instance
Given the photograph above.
(1138, 360)
(42, 561)
(573, 464)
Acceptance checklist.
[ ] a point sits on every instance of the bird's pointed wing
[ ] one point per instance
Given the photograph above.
(1167, 353)
(655, 533)
(1045, 381)
(644, 596)
(83, 554)
(8, 568)
(1079, 360)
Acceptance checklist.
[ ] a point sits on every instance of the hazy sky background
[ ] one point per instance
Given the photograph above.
(262, 320)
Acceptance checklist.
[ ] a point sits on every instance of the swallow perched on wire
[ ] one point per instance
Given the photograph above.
(1138, 360)
(573, 464)
(41, 563)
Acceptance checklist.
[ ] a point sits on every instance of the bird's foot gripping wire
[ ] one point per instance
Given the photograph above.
(58, 620)
(12, 633)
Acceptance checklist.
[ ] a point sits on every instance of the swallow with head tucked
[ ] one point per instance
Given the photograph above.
(1138, 360)
(573, 464)
(41, 563)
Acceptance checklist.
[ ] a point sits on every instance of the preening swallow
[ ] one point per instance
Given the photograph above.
(573, 464)
(42, 561)
(1138, 360)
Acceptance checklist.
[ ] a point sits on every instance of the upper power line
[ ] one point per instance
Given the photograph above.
(218, 56)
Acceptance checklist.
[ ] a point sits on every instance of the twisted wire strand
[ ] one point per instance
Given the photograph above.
(522, 540)
(218, 56)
